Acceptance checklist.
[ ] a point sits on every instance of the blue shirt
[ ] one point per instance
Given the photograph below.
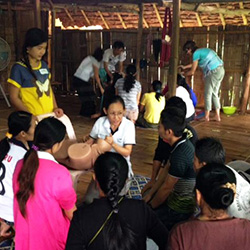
(207, 59)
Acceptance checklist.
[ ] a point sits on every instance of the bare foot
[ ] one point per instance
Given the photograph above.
(206, 119)
(217, 118)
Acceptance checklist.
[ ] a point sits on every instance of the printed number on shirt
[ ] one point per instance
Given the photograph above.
(2, 175)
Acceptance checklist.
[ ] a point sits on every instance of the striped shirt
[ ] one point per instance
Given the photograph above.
(181, 198)
(129, 98)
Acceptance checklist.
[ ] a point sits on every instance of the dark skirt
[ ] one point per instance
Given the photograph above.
(87, 96)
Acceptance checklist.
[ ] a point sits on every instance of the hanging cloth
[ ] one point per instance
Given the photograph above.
(166, 38)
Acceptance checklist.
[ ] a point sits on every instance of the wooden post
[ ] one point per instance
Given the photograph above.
(53, 44)
(246, 89)
(139, 39)
(174, 60)
(38, 14)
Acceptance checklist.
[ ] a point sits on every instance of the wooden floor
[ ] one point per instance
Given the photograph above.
(233, 131)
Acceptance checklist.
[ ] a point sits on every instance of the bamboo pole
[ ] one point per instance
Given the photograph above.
(122, 21)
(103, 19)
(69, 15)
(158, 15)
(85, 16)
(247, 87)
(198, 19)
(145, 23)
(139, 40)
(244, 18)
(174, 60)
(53, 44)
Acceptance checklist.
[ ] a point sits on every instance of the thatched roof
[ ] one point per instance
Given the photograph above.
(115, 14)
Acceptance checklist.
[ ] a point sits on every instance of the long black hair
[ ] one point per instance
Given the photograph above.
(33, 37)
(129, 78)
(47, 133)
(17, 122)
(98, 54)
(111, 170)
(157, 88)
(211, 182)
(181, 81)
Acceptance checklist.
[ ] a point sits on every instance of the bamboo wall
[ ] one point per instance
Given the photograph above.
(232, 44)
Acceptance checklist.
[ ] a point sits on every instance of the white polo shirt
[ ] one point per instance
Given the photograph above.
(15, 154)
(112, 60)
(125, 135)
(185, 96)
(86, 70)
(240, 208)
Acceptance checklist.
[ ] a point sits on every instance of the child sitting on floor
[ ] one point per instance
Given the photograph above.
(44, 198)
(18, 140)
(152, 103)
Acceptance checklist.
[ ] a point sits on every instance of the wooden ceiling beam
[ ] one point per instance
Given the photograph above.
(198, 19)
(86, 18)
(223, 22)
(181, 24)
(69, 15)
(103, 19)
(244, 18)
(145, 23)
(158, 15)
(122, 21)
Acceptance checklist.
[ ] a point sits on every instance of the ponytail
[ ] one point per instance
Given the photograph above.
(26, 179)
(48, 132)
(27, 63)
(129, 78)
(111, 170)
(157, 85)
(182, 82)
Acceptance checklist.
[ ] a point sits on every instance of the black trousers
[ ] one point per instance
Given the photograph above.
(87, 96)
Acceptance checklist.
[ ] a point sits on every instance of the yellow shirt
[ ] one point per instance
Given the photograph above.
(36, 95)
(153, 107)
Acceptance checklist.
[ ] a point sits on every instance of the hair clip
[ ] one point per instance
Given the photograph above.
(8, 135)
(115, 211)
(231, 186)
(35, 147)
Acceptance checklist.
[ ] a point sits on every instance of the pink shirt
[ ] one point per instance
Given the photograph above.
(45, 226)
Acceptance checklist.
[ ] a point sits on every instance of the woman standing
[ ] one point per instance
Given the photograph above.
(29, 81)
(213, 71)
(88, 68)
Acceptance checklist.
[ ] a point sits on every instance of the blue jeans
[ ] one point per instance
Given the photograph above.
(170, 217)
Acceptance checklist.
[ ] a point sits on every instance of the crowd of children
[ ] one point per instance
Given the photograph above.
(193, 200)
